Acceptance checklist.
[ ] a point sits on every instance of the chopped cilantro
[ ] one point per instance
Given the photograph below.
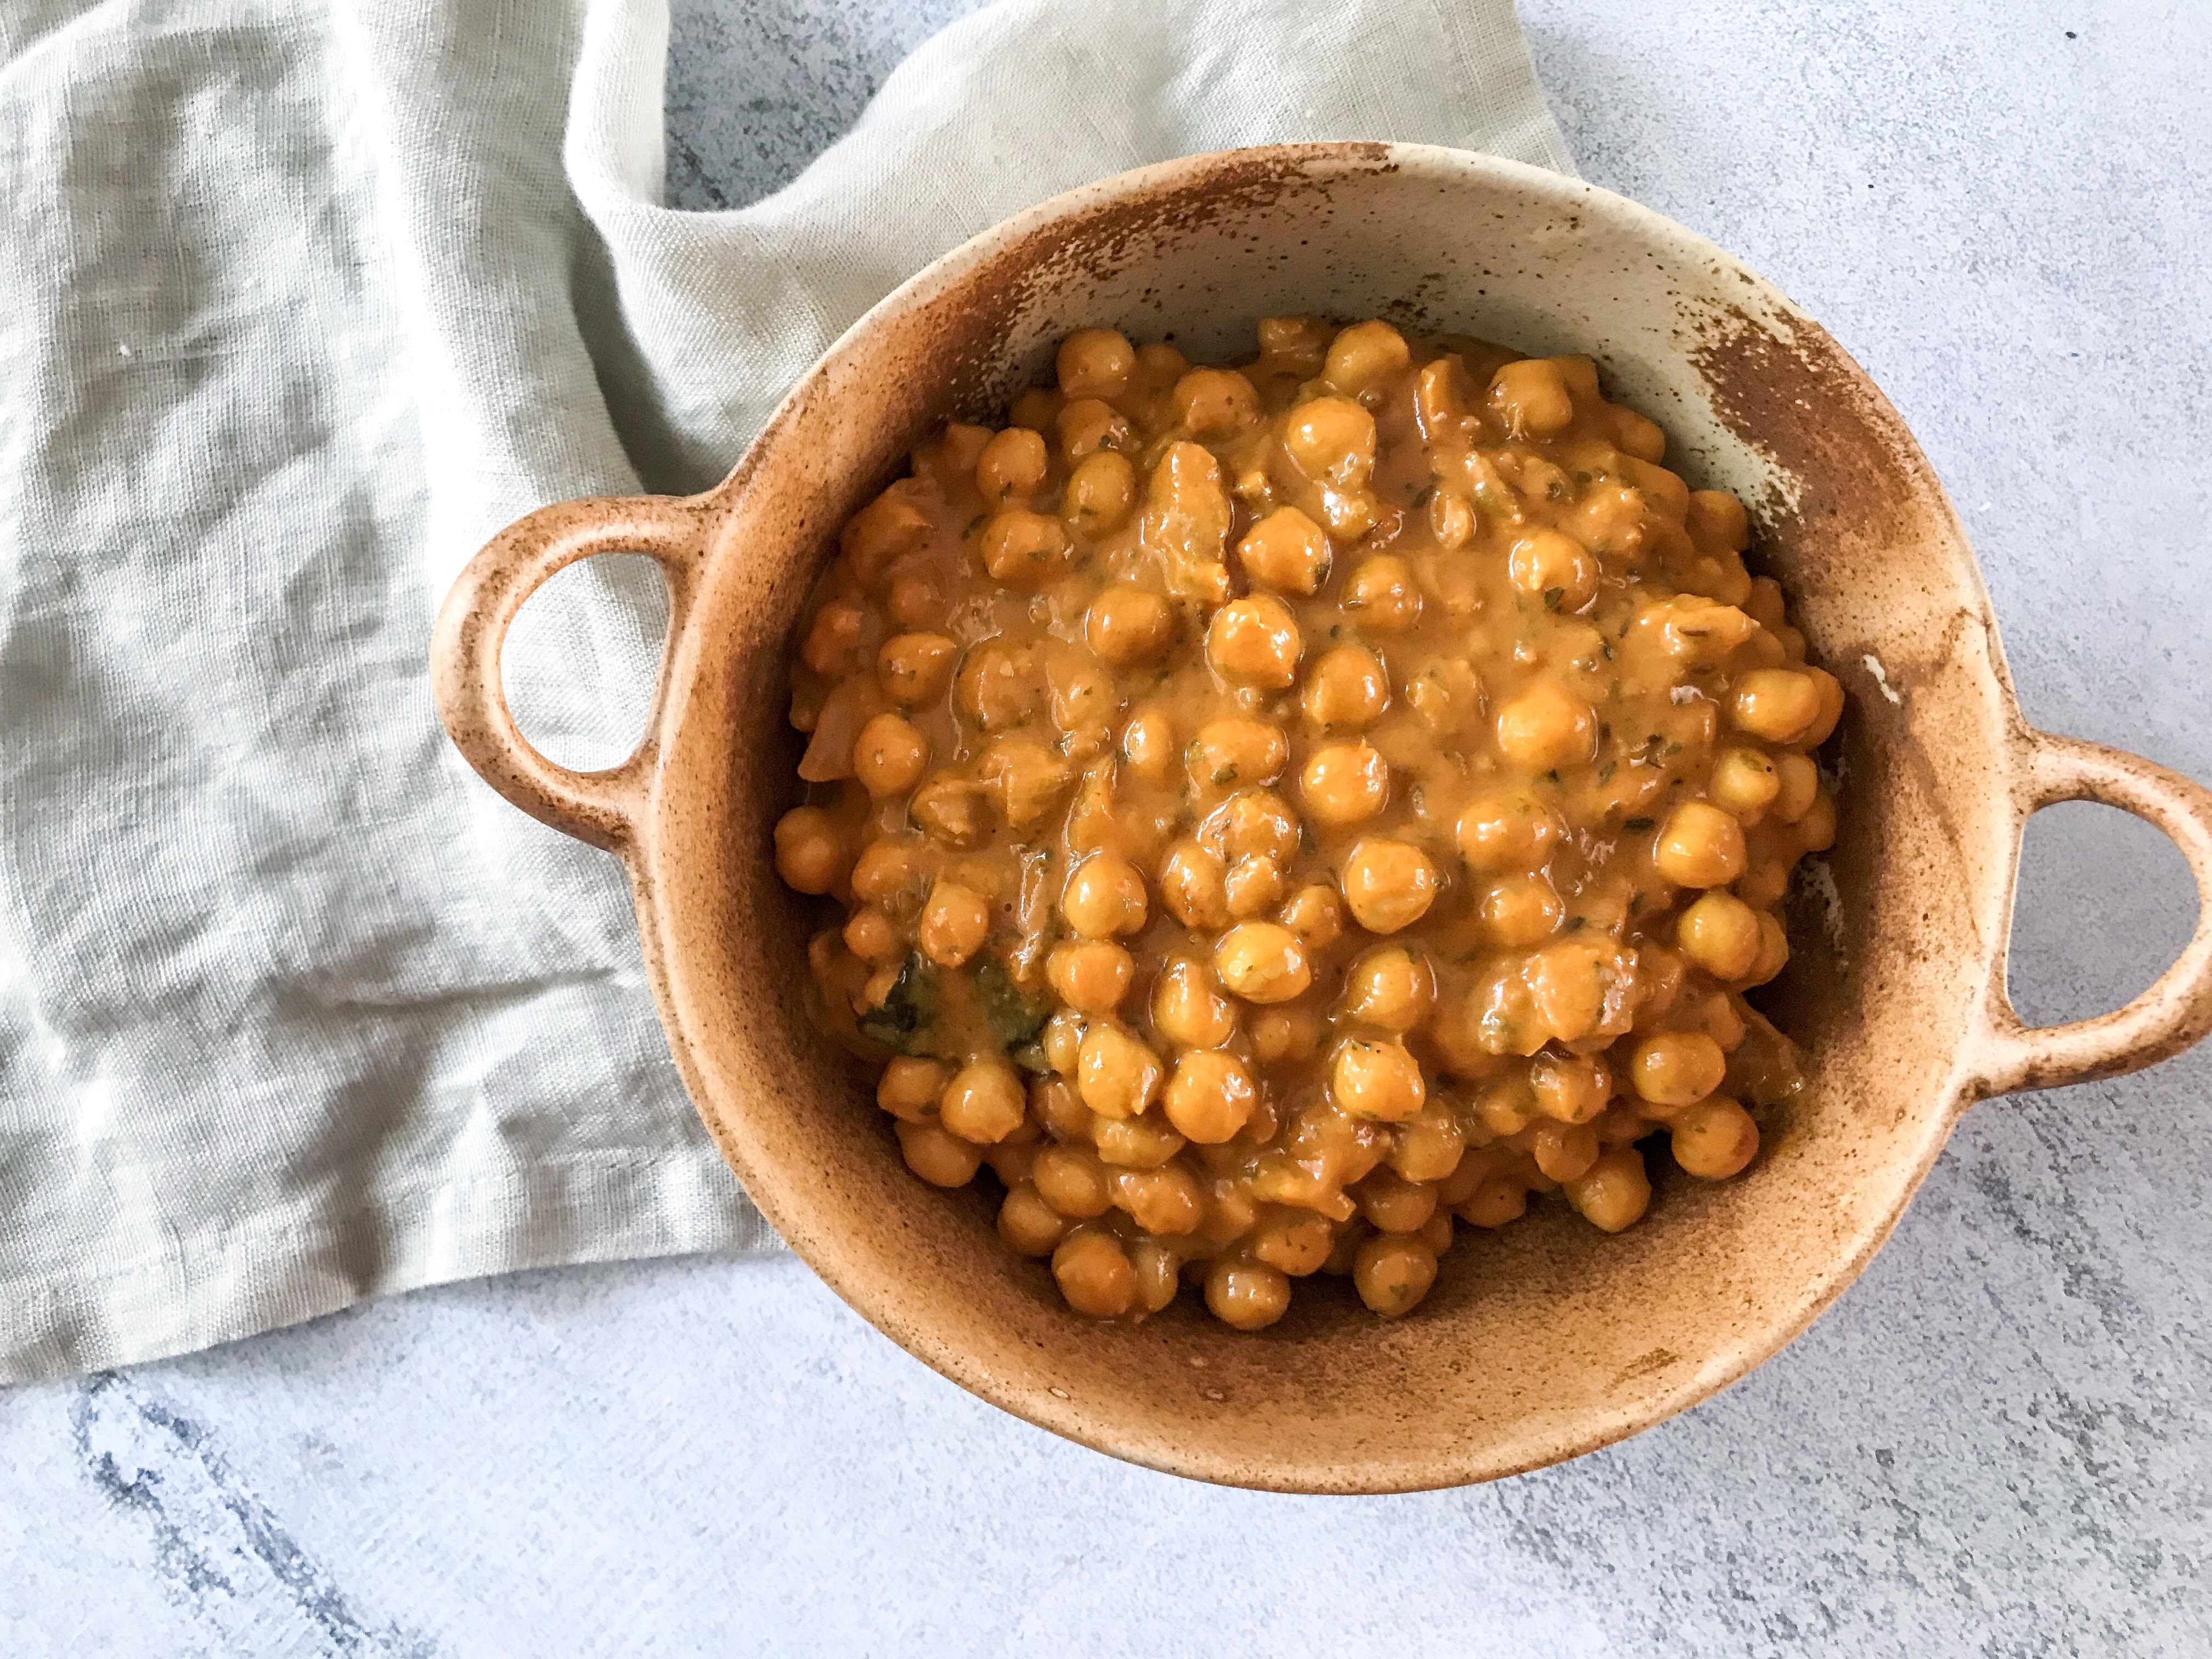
(1639, 822)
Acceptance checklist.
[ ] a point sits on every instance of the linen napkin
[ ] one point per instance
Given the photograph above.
(300, 300)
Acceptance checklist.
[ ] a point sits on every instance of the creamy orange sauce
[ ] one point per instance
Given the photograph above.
(1282, 815)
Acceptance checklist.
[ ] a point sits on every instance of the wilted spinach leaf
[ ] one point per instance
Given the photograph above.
(1014, 1015)
(903, 1019)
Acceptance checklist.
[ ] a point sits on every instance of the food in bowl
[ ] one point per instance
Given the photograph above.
(1281, 809)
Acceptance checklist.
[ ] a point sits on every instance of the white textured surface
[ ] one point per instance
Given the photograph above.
(1999, 1442)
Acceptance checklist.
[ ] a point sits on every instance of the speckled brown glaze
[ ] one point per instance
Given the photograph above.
(1548, 1339)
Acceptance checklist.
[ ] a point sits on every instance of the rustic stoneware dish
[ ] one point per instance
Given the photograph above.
(1546, 1339)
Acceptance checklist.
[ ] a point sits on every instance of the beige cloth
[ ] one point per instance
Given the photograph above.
(305, 298)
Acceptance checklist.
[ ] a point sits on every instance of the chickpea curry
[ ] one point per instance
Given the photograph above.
(1283, 815)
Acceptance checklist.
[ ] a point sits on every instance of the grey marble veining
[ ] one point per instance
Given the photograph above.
(1999, 1442)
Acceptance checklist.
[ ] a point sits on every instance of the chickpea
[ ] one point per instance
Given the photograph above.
(910, 1087)
(1345, 783)
(1286, 551)
(1522, 910)
(1714, 1138)
(1428, 1145)
(1777, 704)
(915, 603)
(1104, 896)
(835, 631)
(1511, 829)
(1636, 436)
(1295, 1242)
(1562, 1151)
(1376, 1080)
(1364, 355)
(1333, 442)
(1037, 408)
(1252, 822)
(1211, 1096)
(1745, 782)
(1214, 403)
(1674, 1068)
(1831, 704)
(1773, 951)
(1187, 1010)
(1387, 885)
(1393, 1271)
(1699, 846)
(1062, 1040)
(889, 755)
(1165, 1201)
(1297, 342)
(1255, 640)
(1092, 976)
(1194, 886)
(1384, 593)
(809, 855)
(1280, 1034)
(954, 924)
(1391, 988)
(1249, 1297)
(1262, 962)
(1101, 493)
(1011, 466)
(1073, 1182)
(1546, 727)
(1252, 885)
(1159, 1273)
(1572, 981)
(1508, 1105)
(874, 937)
(1571, 1088)
(997, 686)
(1316, 915)
(1614, 1192)
(1128, 625)
(1095, 362)
(941, 1159)
(1499, 1199)
(1142, 1142)
(1393, 1204)
(1551, 567)
(1116, 1073)
(1799, 787)
(1148, 744)
(1816, 830)
(1094, 1274)
(1531, 398)
(1720, 932)
(1088, 425)
(1716, 519)
(1029, 1225)
(913, 668)
(1347, 690)
(1236, 751)
(983, 1102)
(1023, 549)
(887, 528)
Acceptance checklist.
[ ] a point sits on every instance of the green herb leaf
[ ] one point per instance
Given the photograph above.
(1014, 1015)
(902, 1020)
(1552, 596)
(1639, 822)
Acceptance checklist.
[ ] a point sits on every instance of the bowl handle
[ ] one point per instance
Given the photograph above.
(2173, 1012)
(604, 807)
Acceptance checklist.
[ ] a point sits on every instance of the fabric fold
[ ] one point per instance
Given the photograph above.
(307, 300)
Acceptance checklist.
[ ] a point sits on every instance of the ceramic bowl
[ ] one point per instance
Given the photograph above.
(1546, 1339)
